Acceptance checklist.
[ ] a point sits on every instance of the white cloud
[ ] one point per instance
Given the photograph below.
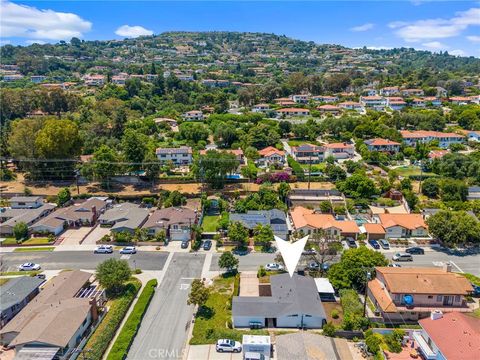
(364, 27)
(457, 52)
(29, 22)
(435, 45)
(474, 38)
(132, 31)
(437, 28)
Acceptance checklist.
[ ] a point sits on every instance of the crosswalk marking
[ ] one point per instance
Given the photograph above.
(184, 286)
(125, 257)
(437, 263)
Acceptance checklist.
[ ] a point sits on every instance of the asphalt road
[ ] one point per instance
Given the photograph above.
(164, 329)
(58, 260)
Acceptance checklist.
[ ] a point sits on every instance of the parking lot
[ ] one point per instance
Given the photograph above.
(75, 236)
(208, 352)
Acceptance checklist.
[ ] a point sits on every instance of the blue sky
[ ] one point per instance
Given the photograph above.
(422, 24)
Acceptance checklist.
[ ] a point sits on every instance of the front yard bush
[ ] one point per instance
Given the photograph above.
(98, 342)
(129, 330)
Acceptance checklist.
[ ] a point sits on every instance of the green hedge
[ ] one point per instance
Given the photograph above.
(130, 329)
(98, 342)
(473, 279)
(296, 168)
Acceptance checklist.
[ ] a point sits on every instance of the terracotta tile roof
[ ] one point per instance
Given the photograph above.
(408, 221)
(380, 142)
(423, 133)
(374, 228)
(461, 341)
(236, 152)
(328, 107)
(305, 217)
(338, 146)
(269, 151)
(293, 110)
(424, 281)
(380, 294)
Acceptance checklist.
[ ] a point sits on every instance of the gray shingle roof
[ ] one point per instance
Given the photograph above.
(290, 295)
(17, 289)
(125, 215)
(275, 218)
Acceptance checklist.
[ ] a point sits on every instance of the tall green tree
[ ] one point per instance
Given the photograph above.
(228, 261)
(112, 274)
(63, 196)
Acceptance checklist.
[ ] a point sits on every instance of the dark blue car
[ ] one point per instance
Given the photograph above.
(374, 244)
(207, 245)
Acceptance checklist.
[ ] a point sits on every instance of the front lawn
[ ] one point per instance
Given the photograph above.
(215, 320)
(9, 241)
(210, 223)
(38, 241)
(32, 249)
(14, 273)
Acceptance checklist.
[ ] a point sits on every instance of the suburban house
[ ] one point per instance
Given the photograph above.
(124, 217)
(177, 223)
(433, 101)
(402, 225)
(396, 103)
(373, 231)
(459, 100)
(351, 105)
(293, 112)
(57, 318)
(339, 150)
(85, 213)
(194, 115)
(460, 341)
(325, 99)
(307, 153)
(37, 79)
(15, 294)
(26, 202)
(383, 145)
(309, 222)
(374, 102)
(261, 108)
(329, 109)
(294, 303)
(178, 156)
(271, 156)
(94, 80)
(237, 152)
(412, 92)
(389, 91)
(300, 99)
(444, 139)
(409, 294)
(276, 219)
(419, 103)
(473, 193)
(119, 79)
(285, 102)
(9, 217)
(472, 135)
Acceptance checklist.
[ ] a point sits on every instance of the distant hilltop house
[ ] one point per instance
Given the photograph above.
(396, 103)
(194, 115)
(261, 108)
(329, 109)
(374, 102)
(178, 156)
(291, 112)
(94, 80)
(237, 152)
(390, 91)
(325, 99)
(412, 92)
(383, 145)
(411, 138)
(351, 105)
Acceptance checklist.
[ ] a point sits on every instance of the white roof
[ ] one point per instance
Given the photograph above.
(324, 286)
(256, 339)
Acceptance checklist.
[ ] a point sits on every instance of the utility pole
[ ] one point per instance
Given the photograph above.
(309, 169)
(367, 277)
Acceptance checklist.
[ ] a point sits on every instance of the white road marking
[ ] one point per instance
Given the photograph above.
(460, 270)
(185, 278)
(184, 286)
(437, 263)
(125, 257)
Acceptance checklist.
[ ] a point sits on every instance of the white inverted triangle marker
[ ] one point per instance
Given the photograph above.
(291, 252)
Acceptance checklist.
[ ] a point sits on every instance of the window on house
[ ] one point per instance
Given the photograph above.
(457, 298)
(439, 297)
(430, 296)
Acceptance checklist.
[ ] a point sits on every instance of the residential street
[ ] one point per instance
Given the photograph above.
(87, 260)
(164, 329)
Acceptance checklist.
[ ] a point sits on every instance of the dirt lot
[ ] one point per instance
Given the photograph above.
(18, 186)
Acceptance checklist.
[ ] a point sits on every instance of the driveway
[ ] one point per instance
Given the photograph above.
(75, 236)
(164, 329)
(96, 235)
(208, 352)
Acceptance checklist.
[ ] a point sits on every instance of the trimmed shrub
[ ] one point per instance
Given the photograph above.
(329, 329)
(127, 334)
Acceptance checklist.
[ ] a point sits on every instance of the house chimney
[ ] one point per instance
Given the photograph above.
(436, 314)
(447, 267)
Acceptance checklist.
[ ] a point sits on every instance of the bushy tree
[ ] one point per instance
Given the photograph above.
(112, 274)
(238, 233)
(454, 228)
(199, 293)
(20, 231)
(63, 196)
(228, 261)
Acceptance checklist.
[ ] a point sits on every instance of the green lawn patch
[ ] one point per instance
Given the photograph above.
(129, 330)
(9, 241)
(215, 321)
(297, 142)
(38, 241)
(98, 342)
(29, 249)
(15, 273)
(210, 223)
(3, 281)
(472, 278)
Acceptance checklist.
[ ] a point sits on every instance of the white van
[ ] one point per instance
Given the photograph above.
(402, 257)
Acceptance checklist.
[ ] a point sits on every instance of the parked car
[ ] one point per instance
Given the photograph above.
(384, 244)
(128, 250)
(374, 244)
(41, 276)
(351, 242)
(309, 252)
(274, 267)
(415, 250)
(254, 356)
(394, 265)
(185, 244)
(29, 267)
(103, 249)
(402, 257)
(228, 345)
(476, 290)
(207, 245)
